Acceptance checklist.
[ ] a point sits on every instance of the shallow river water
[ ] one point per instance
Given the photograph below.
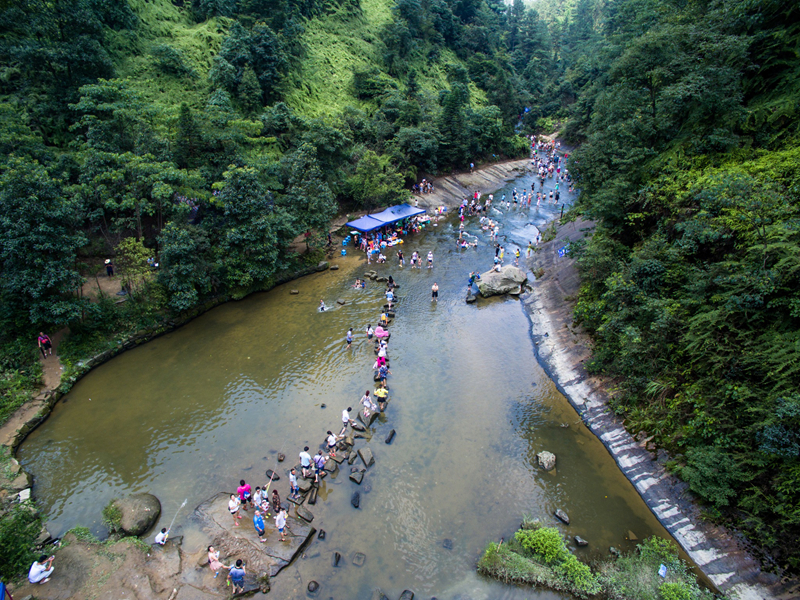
(191, 413)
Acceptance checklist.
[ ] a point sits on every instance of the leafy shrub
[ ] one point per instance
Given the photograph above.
(19, 528)
(171, 60)
(545, 544)
(675, 591)
(112, 517)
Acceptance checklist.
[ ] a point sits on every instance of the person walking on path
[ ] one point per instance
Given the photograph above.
(258, 523)
(45, 344)
(435, 292)
(280, 523)
(349, 338)
(233, 507)
(236, 576)
(305, 463)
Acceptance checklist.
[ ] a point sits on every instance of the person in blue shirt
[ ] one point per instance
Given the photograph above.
(236, 576)
(258, 523)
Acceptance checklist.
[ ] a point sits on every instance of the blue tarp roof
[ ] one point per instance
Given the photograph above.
(366, 224)
(390, 215)
(397, 213)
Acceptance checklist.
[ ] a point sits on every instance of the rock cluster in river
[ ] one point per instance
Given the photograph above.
(508, 280)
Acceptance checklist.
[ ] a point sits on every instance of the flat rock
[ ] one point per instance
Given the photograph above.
(139, 513)
(313, 586)
(472, 298)
(339, 458)
(334, 267)
(322, 265)
(359, 558)
(366, 455)
(357, 477)
(331, 465)
(321, 534)
(312, 497)
(341, 302)
(580, 541)
(562, 515)
(305, 484)
(304, 513)
(337, 559)
(367, 420)
(352, 458)
(389, 437)
(407, 595)
(447, 544)
(272, 475)
(294, 292)
(355, 499)
(547, 460)
(358, 426)
(242, 542)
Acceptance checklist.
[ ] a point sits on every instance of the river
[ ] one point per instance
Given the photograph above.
(190, 413)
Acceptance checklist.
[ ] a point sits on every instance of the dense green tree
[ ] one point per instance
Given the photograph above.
(250, 94)
(188, 140)
(308, 198)
(376, 182)
(39, 239)
(186, 268)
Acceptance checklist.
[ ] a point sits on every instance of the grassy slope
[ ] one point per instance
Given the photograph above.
(336, 44)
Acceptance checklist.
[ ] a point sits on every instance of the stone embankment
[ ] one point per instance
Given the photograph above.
(562, 347)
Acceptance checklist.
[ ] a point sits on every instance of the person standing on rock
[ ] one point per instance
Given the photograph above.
(294, 491)
(331, 440)
(366, 401)
(319, 464)
(45, 344)
(236, 576)
(258, 523)
(233, 507)
(214, 562)
(383, 372)
(244, 493)
(280, 523)
(305, 462)
(346, 420)
(435, 292)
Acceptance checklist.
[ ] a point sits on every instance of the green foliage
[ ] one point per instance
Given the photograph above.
(376, 182)
(172, 61)
(39, 239)
(132, 262)
(112, 517)
(19, 528)
(635, 576)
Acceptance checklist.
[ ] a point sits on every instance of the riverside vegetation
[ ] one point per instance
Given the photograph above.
(210, 133)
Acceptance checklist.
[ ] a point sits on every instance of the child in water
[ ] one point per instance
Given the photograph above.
(321, 306)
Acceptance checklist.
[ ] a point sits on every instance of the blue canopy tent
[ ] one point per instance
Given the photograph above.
(397, 213)
(366, 224)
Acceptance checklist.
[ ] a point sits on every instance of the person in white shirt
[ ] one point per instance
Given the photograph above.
(280, 523)
(41, 570)
(346, 420)
(161, 537)
(305, 462)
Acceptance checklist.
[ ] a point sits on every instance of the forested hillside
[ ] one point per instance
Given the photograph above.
(208, 134)
(687, 113)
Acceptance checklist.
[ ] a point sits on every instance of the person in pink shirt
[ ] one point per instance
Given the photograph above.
(244, 494)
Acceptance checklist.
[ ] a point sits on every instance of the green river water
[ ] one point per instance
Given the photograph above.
(191, 413)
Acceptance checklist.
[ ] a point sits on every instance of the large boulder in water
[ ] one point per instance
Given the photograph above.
(138, 513)
(504, 281)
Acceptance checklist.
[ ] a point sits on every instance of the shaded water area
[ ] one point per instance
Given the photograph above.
(189, 414)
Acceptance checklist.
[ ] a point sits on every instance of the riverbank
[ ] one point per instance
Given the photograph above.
(562, 347)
